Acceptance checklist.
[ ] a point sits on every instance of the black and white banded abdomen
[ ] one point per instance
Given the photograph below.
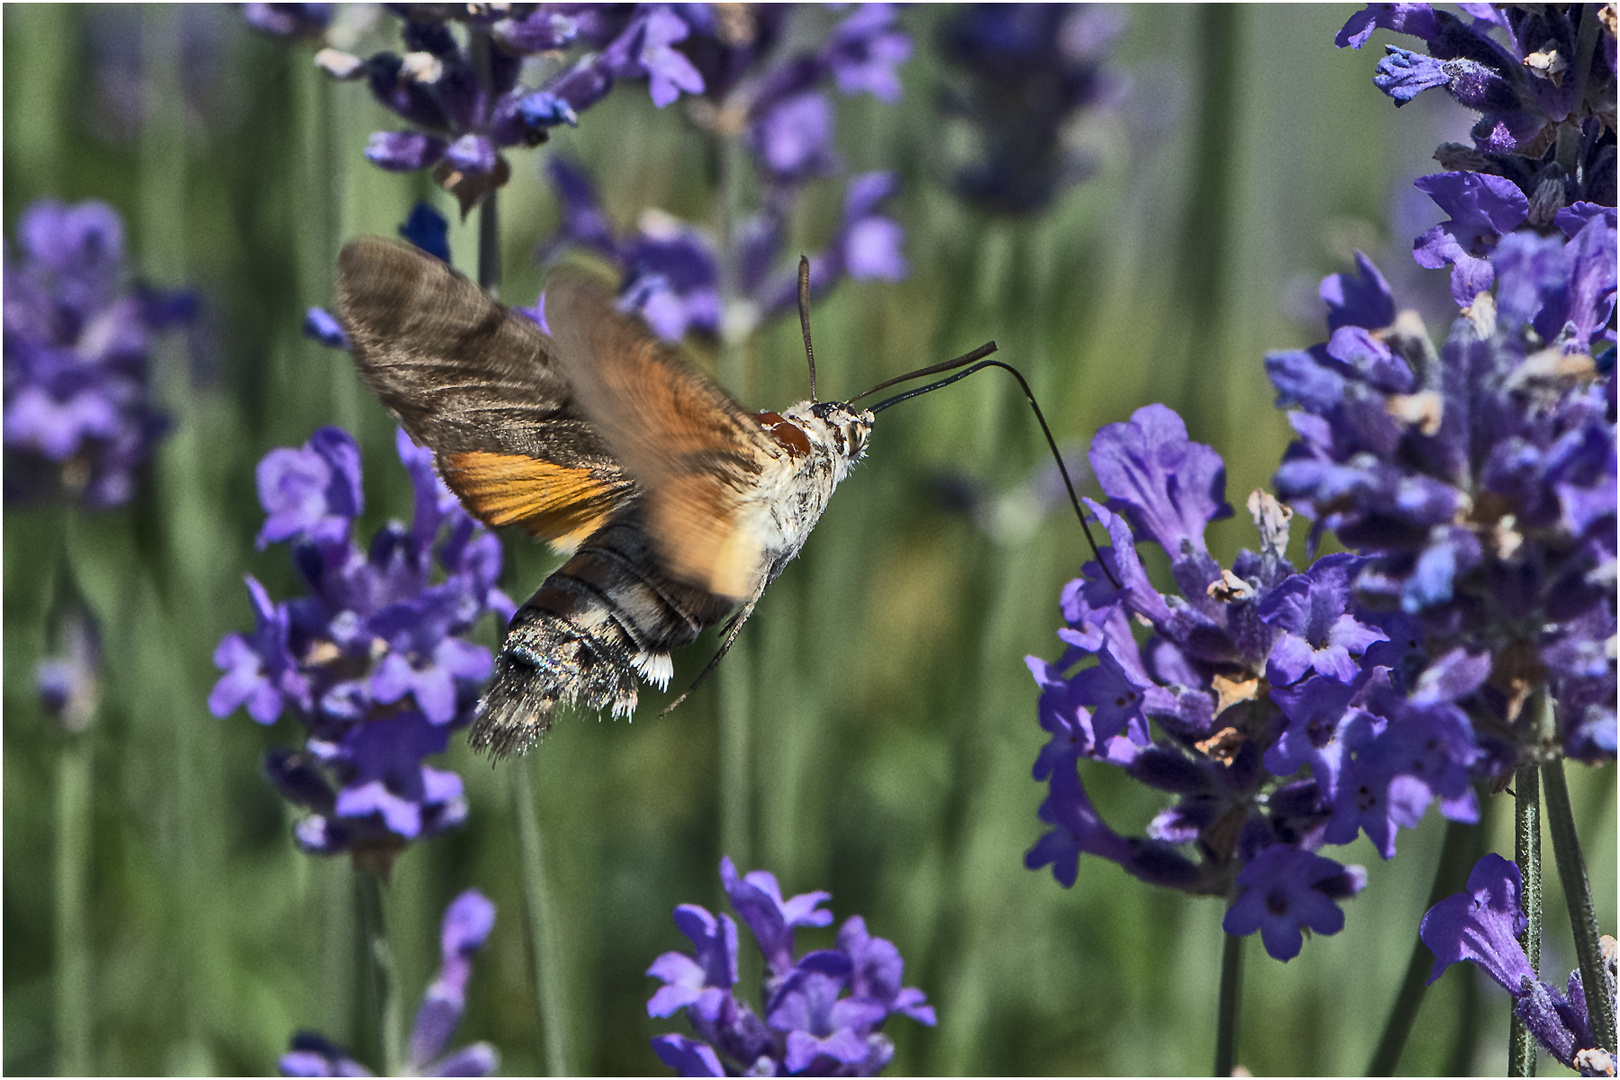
(603, 617)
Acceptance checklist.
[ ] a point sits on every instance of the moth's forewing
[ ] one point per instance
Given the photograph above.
(697, 456)
(480, 385)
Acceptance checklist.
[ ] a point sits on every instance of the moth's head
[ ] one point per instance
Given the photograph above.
(837, 429)
(849, 427)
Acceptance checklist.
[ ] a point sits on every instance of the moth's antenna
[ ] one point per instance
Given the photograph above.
(804, 319)
(969, 358)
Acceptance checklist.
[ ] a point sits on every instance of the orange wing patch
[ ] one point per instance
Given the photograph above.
(559, 504)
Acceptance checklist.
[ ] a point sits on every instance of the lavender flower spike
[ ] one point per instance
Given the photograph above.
(1029, 79)
(467, 925)
(1248, 675)
(79, 419)
(373, 660)
(1476, 480)
(822, 1010)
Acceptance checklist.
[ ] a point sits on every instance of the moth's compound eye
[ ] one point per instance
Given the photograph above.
(854, 438)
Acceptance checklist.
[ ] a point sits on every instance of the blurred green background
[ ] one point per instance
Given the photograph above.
(892, 720)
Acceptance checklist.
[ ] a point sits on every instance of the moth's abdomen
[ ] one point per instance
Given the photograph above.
(602, 617)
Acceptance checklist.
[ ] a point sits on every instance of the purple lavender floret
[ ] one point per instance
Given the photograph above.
(372, 660)
(822, 1010)
(1483, 209)
(1477, 480)
(1285, 890)
(1542, 79)
(1033, 72)
(79, 419)
(1482, 925)
(297, 22)
(466, 927)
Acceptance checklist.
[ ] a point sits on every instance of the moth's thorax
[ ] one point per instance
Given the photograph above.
(820, 442)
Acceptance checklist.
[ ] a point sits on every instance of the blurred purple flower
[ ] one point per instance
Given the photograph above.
(822, 1010)
(116, 57)
(322, 326)
(793, 140)
(671, 277)
(1482, 925)
(777, 102)
(301, 22)
(372, 661)
(1030, 74)
(864, 51)
(672, 269)
(79, 421)
(467, 925)
(68, 679)
(669, 73)
(315, 1055)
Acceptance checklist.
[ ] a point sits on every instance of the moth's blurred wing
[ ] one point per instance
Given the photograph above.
(697, 456)
(479, 384)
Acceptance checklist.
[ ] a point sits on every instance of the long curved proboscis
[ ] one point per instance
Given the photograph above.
(969, 359)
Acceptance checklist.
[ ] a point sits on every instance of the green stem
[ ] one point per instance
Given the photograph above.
(322, 166)
(545, 957)
(736, 674)
(376, 1028)
(1204, 278)
(75, 1009)
(1578, 895)
(162, 183)
(489, 234)
(489, 244)
(339, 975)
(1527, 853)
(1226, 1022)
(957, 951)
(1586, 39)
(1457, 854)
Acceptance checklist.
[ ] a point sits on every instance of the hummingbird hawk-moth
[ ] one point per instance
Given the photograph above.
(674, 505)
